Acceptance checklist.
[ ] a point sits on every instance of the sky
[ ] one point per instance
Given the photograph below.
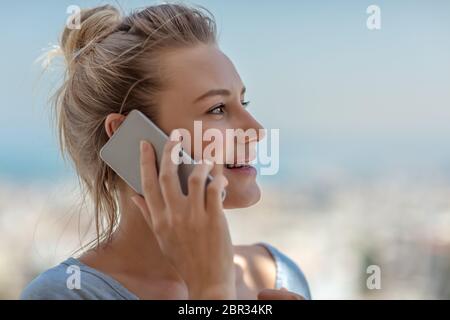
(344, 97)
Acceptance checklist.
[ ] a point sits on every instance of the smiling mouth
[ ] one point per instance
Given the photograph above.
(237, 166)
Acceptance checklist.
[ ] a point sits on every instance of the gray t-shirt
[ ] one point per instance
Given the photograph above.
(73, 280)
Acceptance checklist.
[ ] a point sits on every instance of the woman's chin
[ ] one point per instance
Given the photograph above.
(242, 198)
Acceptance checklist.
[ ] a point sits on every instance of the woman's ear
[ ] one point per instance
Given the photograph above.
(112, 122)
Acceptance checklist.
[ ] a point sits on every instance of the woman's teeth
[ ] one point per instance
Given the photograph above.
(236, 166)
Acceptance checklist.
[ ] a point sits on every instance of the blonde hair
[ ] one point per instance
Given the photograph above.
(113, 65)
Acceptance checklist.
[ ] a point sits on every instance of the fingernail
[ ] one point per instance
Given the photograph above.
(144, 146)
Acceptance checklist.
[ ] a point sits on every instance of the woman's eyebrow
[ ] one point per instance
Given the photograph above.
(217, 92)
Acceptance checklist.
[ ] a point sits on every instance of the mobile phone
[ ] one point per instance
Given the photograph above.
(122, 151)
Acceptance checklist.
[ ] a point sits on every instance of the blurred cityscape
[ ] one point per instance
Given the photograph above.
(333, 228)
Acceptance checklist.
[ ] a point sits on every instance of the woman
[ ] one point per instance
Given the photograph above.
(160, 60)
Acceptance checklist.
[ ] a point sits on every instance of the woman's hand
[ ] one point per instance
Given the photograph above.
(191, 230)
(282, 294)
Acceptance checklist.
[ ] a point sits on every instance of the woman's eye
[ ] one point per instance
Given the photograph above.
(245, 103)
(217, 109)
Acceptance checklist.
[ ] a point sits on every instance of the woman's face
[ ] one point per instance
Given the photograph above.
(203, 85)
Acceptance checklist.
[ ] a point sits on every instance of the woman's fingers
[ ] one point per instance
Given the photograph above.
(196, 185)
(168, 173)
(149, 178)
(273, 294)
(215, 189)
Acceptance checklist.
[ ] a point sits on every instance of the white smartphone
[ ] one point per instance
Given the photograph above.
(122, 151)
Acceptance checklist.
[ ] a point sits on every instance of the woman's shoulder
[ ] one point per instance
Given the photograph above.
(288, 274)
(72, 280)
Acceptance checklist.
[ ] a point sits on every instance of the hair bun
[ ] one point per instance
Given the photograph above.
(96, 23)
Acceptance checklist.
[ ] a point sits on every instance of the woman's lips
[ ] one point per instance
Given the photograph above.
(242, 169)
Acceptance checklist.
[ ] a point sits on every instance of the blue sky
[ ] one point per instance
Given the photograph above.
(341, 95)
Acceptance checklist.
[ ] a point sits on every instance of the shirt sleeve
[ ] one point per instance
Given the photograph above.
(53, 284)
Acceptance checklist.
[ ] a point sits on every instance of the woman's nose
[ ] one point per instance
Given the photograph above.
(248, 122)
